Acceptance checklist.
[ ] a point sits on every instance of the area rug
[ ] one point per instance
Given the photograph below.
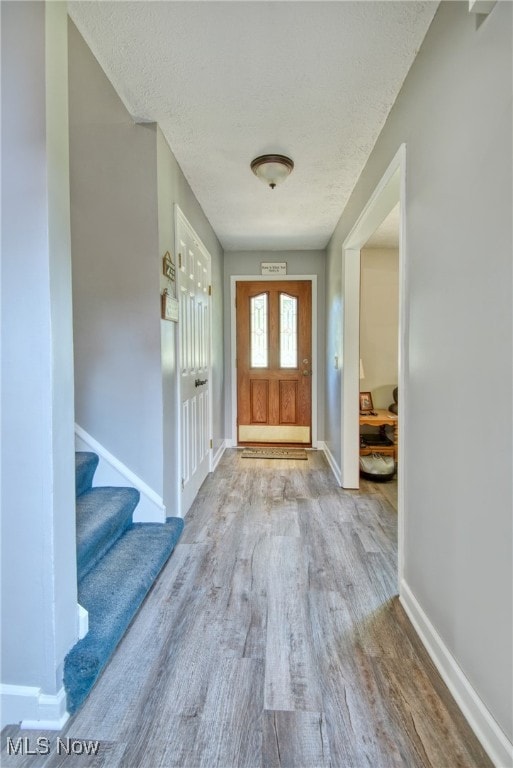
(274, 453)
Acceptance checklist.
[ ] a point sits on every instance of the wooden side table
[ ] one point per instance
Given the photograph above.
(381, 419)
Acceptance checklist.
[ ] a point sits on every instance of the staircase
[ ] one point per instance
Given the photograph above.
(117, 563)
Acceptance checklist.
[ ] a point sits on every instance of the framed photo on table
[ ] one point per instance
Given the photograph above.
(366, 405)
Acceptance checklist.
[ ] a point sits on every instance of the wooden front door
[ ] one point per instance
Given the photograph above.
(274, 362)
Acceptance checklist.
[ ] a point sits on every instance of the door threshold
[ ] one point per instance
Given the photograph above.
(306, 446)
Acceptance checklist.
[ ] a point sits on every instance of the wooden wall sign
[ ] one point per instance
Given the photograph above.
(167, 266)
(273, 267)
(169, 307)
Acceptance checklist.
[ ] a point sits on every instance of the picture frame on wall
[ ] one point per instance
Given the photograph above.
(366, 405)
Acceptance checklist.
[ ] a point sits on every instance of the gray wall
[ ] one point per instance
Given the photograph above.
(38, 491)
(454, 113)
(116, 270)
(379, 323)
(298, 263)
(174, 188)
(124, 184)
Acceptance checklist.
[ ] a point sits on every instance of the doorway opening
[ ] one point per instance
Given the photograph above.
(379, 338)
(389, 193)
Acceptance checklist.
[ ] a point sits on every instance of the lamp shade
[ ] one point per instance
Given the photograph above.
(272, 169)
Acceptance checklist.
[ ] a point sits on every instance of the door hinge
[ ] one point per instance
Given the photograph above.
(210, 290)
(211, 443)
(183, 483)
(179, 261)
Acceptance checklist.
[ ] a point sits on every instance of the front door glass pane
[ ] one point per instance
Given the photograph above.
(288, 331)
(259, 353)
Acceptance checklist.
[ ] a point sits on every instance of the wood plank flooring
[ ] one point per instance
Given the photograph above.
(273, 638)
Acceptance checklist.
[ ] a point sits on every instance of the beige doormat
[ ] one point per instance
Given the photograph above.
(274, 453)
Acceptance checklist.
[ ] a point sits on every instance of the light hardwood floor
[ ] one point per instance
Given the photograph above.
(273, 638)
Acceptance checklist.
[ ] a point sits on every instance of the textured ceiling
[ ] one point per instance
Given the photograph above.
(228, 81)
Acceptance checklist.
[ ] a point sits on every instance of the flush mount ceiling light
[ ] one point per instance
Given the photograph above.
(272, 169)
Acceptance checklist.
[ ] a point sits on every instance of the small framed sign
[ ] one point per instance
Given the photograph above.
(169, 307)
(273, 267)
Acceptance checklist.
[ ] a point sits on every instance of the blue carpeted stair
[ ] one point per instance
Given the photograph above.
(117, 562)
(85, 467)
(103, 515)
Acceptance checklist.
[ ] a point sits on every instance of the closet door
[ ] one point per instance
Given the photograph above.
(194, 357)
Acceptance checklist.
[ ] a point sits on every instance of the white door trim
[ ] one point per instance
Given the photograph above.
(390, 191)
(274, 279)
(182, 224)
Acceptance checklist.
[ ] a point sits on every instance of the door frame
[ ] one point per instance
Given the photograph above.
(390, 191)
(181, 224)
(233, 338)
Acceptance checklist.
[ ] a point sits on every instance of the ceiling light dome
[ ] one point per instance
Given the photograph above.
(272, 169)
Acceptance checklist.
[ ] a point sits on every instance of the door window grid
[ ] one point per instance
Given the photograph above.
(259, 352)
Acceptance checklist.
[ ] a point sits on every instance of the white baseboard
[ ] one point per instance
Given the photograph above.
(113, 472)
(33, 709)
(218, 455)
(82, 621)
(321, 445)
(490, 734)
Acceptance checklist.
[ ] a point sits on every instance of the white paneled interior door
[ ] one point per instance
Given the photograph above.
(194, 358)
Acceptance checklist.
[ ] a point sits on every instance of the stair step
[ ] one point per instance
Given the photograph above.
(85, 467)
(103, 515)
(112, 592)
